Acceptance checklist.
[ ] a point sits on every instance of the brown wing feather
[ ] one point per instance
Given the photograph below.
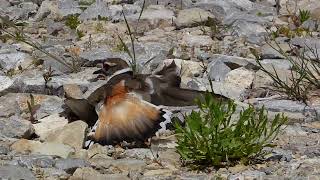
(126, 118)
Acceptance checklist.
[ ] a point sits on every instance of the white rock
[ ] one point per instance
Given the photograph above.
(36, 147)
(240, 77)
(72, 134)
(5, 83)
(188, 17)
(49, 124)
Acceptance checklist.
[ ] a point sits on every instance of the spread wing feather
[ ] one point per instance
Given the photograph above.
(127, 119)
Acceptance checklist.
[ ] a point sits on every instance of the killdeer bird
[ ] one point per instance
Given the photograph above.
(125, 116)
(129, 106)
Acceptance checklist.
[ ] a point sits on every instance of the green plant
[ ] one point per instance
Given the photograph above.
(80, 34)
(211, 137)
(72, 21)
(32, 108)
(133, 63)
(99, 27)
(304, 15)
(304, 72)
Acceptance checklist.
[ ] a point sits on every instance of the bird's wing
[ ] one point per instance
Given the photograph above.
(128, 119)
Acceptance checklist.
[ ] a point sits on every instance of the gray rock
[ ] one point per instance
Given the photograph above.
(178, 4)
(190, 17)
(31, 161)
(98, 151)
(15, 172)
(72, 134)
(277, 63)
(240, 77)
(296, 111)
(127, 164)
(11, 59)
(154, 16)
(221, 8)
(22, 11)
(189, 176)
(15, 103)
(16, 128)
(128, 9)
(5, 84)
(54, 173)
(270, 53)
(226, 89)
(280, 155)
(4, 4)
(91, 174)
(50, 105)
(218, 70)
(248, 174)
(306, 42)
(4, 149)
(139, 153)
(49, 124)
(96, 54)
(99, 8)
(58, 51)
(68, 7)
(234, 62)
(70, 165)
(310, 24)
(44, 10)
(33, 82)
(197, 40)
(36, 147)
(8, 105)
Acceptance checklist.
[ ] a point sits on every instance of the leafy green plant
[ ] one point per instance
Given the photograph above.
(304, 15)
(211, 136)
(72, 21)
(80, 34)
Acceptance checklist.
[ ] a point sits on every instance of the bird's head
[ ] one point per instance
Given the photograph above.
(111, 65)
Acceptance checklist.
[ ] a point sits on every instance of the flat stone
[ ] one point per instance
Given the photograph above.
(72, 134)
(240, 77)
(16, 128)
(162, 172)
(294, 110)
(48, 124)
(98, 151)
(218, 70)
(70, 165)
(189, 17)
(197, 40)
(127, 164)
(31, 161)
(15, 172)
(91, 174)
(5, 84)
(11, 60)
(156, 12)
(226, 89)
(73, 91)
(139, 153)
(15, 103)
(36, 147)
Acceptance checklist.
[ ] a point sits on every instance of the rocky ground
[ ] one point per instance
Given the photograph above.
(226, 35)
